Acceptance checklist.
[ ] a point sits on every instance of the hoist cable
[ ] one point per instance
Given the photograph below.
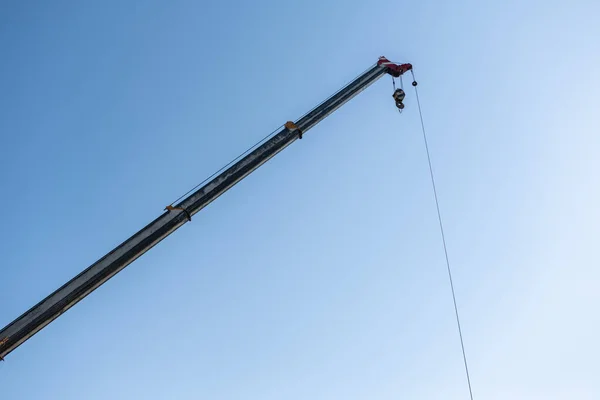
(255, 145)
(439, 214)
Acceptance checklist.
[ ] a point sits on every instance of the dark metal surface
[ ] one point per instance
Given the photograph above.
(94, 276)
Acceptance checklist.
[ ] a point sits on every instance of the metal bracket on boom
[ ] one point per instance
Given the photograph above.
(293, 127)
(2, 343)
(187, 214)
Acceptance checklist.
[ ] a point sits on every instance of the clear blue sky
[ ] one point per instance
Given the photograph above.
(320, 276)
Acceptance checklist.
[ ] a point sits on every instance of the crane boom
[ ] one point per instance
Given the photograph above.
(50, 308)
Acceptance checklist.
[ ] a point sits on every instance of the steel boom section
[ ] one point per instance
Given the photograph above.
(50, 308)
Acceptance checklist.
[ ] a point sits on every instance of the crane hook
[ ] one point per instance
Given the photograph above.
(399, 96)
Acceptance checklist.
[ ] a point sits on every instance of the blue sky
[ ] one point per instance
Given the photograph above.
(321, 275)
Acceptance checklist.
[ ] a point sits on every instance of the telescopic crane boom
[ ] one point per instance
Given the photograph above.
(50, 308)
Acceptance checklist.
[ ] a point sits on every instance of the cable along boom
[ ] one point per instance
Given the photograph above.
(50, 308)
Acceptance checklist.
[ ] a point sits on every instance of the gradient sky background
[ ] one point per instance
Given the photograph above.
(320, 276)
